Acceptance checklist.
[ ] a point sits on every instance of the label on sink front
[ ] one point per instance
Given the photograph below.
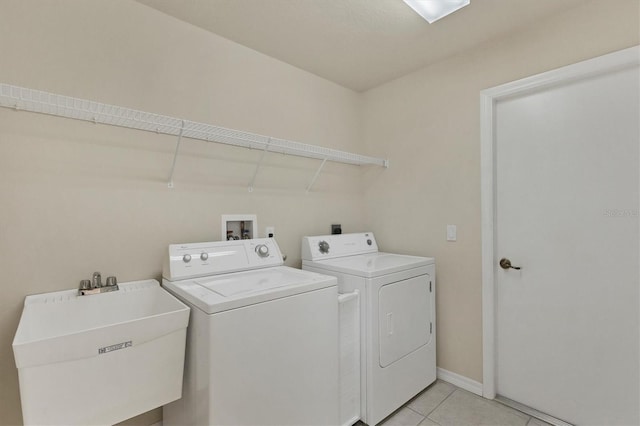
(115, 347)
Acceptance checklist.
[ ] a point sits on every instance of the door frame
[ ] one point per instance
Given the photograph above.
(611, 62)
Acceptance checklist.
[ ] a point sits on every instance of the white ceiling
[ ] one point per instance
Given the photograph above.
(358, 44)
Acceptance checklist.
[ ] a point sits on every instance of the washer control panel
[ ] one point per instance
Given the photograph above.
(330, 246)
(219, 257)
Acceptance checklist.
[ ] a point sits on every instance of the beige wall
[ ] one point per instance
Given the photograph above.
(427, 124)
(77, 197)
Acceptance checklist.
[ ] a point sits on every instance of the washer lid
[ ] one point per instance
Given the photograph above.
(229, 291)
(373, 264)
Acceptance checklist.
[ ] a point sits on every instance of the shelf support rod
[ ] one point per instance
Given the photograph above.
(253, 179)
(175, 156)
(317, 174)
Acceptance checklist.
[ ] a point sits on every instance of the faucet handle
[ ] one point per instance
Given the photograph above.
(97, 280)
(111, 281)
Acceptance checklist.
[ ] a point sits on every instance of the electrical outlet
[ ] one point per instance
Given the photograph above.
(270, 231)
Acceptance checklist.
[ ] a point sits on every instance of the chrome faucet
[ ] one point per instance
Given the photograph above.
(95, 286)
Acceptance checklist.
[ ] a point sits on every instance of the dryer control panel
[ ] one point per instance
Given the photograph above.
(330, 246)
(192, 260)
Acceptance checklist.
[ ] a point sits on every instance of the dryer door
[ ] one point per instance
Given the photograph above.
(404, 318)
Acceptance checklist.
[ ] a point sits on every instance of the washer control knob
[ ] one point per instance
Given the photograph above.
(369, 242)
(324, 247)
(262, 250)
(186, 258)
(204, 256)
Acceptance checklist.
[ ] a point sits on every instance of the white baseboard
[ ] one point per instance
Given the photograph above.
(157, 424)
(460, 381)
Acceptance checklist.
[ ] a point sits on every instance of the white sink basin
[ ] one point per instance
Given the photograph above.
(99, 359)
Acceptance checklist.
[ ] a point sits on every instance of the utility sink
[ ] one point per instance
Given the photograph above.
(99, 359)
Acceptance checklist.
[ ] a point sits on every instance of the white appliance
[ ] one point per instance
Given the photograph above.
(397, 316)
(262, 342)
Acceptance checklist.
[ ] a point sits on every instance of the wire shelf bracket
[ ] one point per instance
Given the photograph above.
(315, 176)
(255, 173)
(31, 100)
(175, 157)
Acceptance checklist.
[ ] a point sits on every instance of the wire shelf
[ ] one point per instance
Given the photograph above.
(21, 98)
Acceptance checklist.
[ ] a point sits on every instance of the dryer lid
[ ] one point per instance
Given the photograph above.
(229, 291)
(373, 264)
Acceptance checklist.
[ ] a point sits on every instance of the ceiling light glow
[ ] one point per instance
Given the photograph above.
(432, 10)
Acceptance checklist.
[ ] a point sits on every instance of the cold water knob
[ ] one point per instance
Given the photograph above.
(262, 250)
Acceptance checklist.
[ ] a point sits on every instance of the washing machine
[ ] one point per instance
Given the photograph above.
(262, 342)
(397, 316)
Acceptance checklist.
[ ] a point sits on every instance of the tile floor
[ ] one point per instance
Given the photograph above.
(444, 404)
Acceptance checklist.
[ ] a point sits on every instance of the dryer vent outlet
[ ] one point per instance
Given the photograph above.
(336, 229)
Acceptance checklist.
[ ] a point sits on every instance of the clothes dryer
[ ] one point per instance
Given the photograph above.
(262, 342)
(397, 316)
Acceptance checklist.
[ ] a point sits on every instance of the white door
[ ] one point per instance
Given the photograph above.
(566, 212)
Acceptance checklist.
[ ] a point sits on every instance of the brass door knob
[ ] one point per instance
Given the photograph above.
(506, 264)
